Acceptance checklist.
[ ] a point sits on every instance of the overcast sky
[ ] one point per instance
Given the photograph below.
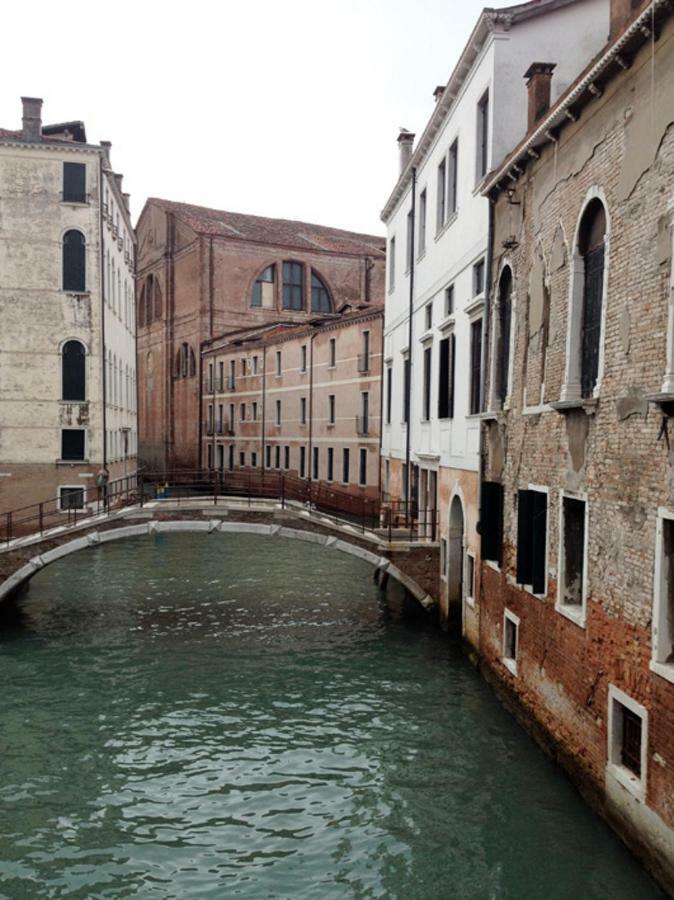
(287, 109)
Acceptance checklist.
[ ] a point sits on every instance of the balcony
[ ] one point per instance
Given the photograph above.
(362, 426)
(363, 362)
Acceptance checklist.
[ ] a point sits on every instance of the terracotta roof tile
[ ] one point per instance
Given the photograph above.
(284, 232)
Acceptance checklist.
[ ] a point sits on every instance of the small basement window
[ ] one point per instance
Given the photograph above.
(627, 736)
(71, 498)
(511, 627)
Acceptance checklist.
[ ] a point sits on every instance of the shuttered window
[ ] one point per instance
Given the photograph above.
(475, 365)
(446, 378)
(75, 182)
(72, 444)
(427, 384)
(491, 521)
(74, 255)
(532, 508)
(73, 371)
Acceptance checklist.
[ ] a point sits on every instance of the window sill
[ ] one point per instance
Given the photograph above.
(588, 405)
(493, 565)
(426, 337)
(470, 601)
(664, 401)
(628, 780)
(664, 670)
(83, 203)
(510, 665)
(575, 614)
(447, 322)
(421, 255)
(330, 424)
(75, 293)
(72, 462)
(476, 306)
(446, 225)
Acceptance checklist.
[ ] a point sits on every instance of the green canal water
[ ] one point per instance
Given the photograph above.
(195, 716)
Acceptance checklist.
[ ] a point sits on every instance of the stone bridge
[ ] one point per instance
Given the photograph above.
(414, 564)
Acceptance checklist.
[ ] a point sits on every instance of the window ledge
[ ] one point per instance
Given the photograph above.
(76, 293)
(493, 565)
(65, 202)
(447, 322)
(330, 424)
(492, 415)
(426, 337)
(510, 665)
(664, 670)
(575, 614)
(470, 601)
(475, 306)
(446, 225)
(72, 462)
(588, 405)
(664, 401)
(627, 779)
(421, 255)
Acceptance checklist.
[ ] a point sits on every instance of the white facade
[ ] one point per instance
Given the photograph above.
(486, 93)
(41, 314)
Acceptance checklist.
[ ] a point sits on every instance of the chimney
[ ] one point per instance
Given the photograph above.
(118, 179)
(438, 92)
(622, 12)
(107, 146)
(539, 77)
(32, 118)
(405, 145)
(127, 202)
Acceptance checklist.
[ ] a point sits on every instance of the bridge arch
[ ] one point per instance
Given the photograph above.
(157, 526)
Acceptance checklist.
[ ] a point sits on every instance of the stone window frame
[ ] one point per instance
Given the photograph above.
(543, 489)
(71, 487)
(657, 664)
(576, 615)
(508, 661)
(64, 233)
(469, 583)
(495, 313)
(571, 392)
(635, 785)
(62, 347)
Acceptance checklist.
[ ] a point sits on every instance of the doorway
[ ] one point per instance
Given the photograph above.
(455, 574)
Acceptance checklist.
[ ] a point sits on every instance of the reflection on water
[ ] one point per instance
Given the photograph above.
(235, 716)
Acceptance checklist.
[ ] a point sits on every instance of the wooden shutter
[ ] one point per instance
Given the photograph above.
(539, 511)
(73, 261)
(491, 521)
(593, 288)
(452, 372)
(443, 386)
(524, 559)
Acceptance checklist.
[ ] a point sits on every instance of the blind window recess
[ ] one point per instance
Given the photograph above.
(532, 509)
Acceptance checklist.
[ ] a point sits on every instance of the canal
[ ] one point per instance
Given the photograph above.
(238, 716)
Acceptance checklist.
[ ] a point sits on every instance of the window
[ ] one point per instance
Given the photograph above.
(278, 412)
(478, 278)
(475, 366)
(209, 386)
(278, 363)
(243, 367)
(74, 257)
(254, 410)
(572, 557)
(185, 363)
(470, 578)
(71, 497)
(232, 375)
(74, 182)
(263, 289)
(73, 370)
(303, 411)
(242, 459)
(255, 365)
(482, 136)
(364, 359)
(221, 376)
(242, 412)
(303, 462)
(446, 378)
(362, 467)
(663, 598)
(231, 418)
(444, 558)
(503, 346)
(230, 460)
(449, 300)
(409, 254)
(332, 353)
(268, 455)
(428, 316)
(315, 463)
(221, 418)
(422, 222)
(320, 297)
(221, 457)
(365, 412)
(427, 384)
(406, 390)
(253, 459)
(345, 465)
(491, 521)
(331, 409)
(331, 463)
(532, 526)
(293, 285)
(453, 177)
(591, 247)
(627, 741)
(391, 263)
(511, 627)
(389, 386)
(72, 444)
(286, 457)
(303, 358)
(209, 419)
(277, 456)
(442, 195)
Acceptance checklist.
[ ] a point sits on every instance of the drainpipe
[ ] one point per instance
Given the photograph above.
(381, 405)
(102, 280)
(171, 303)
(264, 407)
(201, 403)
(408, 398)
(310, 461)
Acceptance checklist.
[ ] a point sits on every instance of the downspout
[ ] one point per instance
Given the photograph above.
(408, 397)
(264, 406)
(310, 461)
(381, 403)
(103, 298)
(170, 440)
(210, 288)
(201, 403)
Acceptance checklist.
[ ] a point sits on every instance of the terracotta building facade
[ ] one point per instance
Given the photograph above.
(203, 273)
(304, 400)
(577, 496)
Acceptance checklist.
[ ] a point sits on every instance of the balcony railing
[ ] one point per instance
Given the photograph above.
(363, 362)
(362, 425)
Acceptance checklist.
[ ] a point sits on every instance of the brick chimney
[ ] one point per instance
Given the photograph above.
(107, 147)
(405, 145)
(622, 12)
(438, 92)
(118, 179)
(32, 118)
(539, 78)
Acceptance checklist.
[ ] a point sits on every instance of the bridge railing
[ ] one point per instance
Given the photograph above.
(68, 509)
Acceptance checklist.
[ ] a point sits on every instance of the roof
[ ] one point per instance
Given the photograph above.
(606, 65)
(52, 134)
(489, 20)
(284, 232)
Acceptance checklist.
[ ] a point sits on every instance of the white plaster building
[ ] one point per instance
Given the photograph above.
(67, 320)
(438, 237)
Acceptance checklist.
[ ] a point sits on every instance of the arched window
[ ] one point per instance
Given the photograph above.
(504, 317)
(141, 308)
(591, 249)
(73, 370)
(263, 289)
(74, 256)
(320, 296)
(185, 362)
(157, 299)
(293, 285)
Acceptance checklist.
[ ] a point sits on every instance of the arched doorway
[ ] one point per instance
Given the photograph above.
(455, 574)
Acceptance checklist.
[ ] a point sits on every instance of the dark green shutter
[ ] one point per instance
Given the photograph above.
(539, 540)
(524, 561)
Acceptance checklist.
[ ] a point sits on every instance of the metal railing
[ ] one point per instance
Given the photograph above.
(68, 509)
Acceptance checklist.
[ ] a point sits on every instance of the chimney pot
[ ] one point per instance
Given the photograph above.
(622, 12)
(405, 146)
(127, 201)
(107, 146)
(539, 78)
(438, 92)
(32, 118)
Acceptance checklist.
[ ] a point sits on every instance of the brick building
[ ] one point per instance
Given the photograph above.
(576, 600)
(301, 399)
(203, 273)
